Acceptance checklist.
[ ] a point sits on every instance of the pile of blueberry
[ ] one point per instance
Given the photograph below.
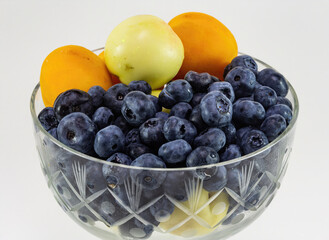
(210, 121)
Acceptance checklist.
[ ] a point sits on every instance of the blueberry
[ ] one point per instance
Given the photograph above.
(115, 175)
(252, 199)
(241, 132)
(253, 140)
(53, 132)
(77, 131)
(214, 78)
(230, 133)
(217, 181)
(135, 229)
(103, 117)
(237, 216)
(140, 86)
(175, 151)
(273, 126)
(224, 87)
(94, 177)
(64, 190)
(250, 98)
(162, 115)
(106, 206)
(155, 101)
(166, 100)
(257, 85)
(122, 123)
(63, 161)
(108, 141)
(199, 81)
(73, 100)
(174, 92)
(177, 189)
(178, 128)
(137, 108)
(281, 109)
(227, 69)
(205, 173)
(97, 95)
(265, 96)
(134, 150)
(132, 136)
(196, 119)
(150, 132)
(86, 216)
(149, 179)
(202, 156)
(248, 113)
(275, 80)
(181, 110)
(233, 176)
(258, 168)
(47, 118)
(246, 62)
(242, 80)
(162, 209)
(216, 109)
(211, 137)
(113, 98)
(196, 99)
(285, 101)
(232, 151)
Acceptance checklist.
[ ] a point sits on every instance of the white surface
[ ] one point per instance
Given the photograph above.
(292, 36)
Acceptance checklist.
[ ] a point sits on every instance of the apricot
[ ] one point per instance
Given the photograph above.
(209, 45)
(71, 67)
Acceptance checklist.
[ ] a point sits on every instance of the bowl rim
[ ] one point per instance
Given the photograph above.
(290, 127)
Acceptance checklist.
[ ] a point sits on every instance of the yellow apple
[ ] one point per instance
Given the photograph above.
(210, 215)
(156, 94)
(144, 47)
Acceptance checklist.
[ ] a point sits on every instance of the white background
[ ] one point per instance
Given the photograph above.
(292, 36)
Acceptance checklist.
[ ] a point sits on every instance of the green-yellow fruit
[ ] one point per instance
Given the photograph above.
(156, 94)
(144, 47)
(211, 215)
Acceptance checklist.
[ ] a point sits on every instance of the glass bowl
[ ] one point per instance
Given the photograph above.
(175, 203)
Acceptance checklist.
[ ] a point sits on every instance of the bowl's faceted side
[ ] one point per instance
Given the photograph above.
(135, 203)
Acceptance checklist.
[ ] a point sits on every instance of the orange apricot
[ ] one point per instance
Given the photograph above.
(209, 45)
(71, 67)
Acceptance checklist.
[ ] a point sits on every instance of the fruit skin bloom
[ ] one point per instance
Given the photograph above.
(137, 107)
(108, 141)
(77, 131)
(216, 109)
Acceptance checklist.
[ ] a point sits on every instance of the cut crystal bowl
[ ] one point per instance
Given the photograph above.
(175, 203)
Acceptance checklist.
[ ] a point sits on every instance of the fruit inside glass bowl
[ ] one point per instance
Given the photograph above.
(143, 190)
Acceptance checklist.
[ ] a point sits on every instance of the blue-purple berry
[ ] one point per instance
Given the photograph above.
(103, 117)
(181, 110)
(242, 80)
(137, 108)
(216, 109)
(273, 126)
(275, 80)
(211, 137)
(108, 141)
(140, 85)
